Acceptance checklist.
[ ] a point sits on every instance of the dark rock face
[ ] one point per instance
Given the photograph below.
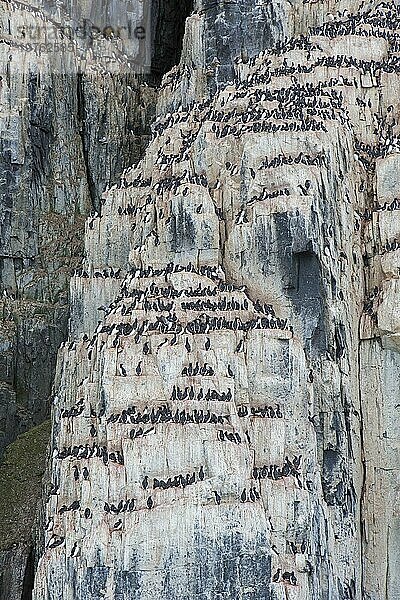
(21, 475)
(168, 28)
(238, 29)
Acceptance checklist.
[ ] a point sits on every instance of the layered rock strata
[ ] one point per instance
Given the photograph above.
(225, 419)
(69, 128)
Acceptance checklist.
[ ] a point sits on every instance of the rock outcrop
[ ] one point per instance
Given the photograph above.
(67, 132)
(225, 410)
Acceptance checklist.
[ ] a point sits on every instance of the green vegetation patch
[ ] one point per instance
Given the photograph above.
(21, 473)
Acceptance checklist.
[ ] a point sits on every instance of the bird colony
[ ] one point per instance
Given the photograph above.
(226, 408)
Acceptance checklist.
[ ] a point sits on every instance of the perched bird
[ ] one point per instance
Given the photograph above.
(217, 497)
(230, 372)
(56, 541)
(122, 370)
(145, 483)
(118, 525)
(276, 576)
(150, 502)
(201, 473)
(243, 496)
(75, 550)
(139, 369)
(240, 346)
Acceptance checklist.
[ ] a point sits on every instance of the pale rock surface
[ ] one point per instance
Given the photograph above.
(226, 426)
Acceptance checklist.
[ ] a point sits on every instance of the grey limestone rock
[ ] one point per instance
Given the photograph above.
(225, 409)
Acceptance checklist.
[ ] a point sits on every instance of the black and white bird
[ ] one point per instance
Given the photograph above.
(75, 550)
(240, 346)
(118, 525)
(139, 369)
(276, 576)
(217, 497)
(122, 370)
(56, 541)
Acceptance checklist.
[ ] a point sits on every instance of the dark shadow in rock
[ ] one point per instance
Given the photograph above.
(168, 28)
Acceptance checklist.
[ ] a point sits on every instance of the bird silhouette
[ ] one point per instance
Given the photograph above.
(276, 576)
(217, 497)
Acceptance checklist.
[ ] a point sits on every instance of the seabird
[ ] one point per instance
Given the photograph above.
(275, 577)
(243, 496)
(240, 346)
(118, 525)
(56, 541)
(122, 370)
(139, 369)
(145, 483)
(217, 497)
(150, 502)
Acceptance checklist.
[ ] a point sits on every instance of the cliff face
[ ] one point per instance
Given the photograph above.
(65, 135)
(225, 409)
(68, 129)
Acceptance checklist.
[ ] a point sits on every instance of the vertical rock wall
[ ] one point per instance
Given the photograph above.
(66, 134)
(225, 409)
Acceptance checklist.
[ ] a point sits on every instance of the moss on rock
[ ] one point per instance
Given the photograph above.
(21, 473)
